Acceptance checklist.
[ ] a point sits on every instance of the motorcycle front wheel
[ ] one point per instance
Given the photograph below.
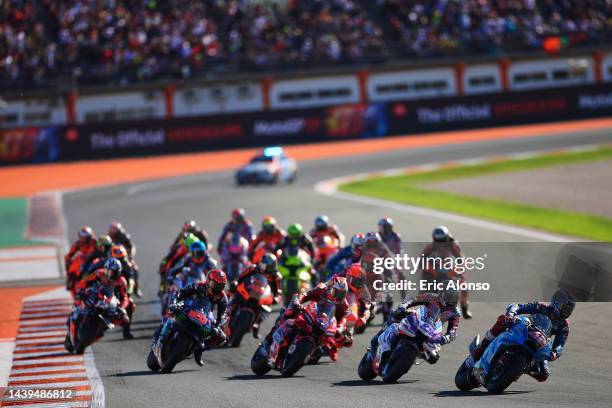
(515, 368)
(241, 326)
(297, 359)
(152, 362)
(259, 362)
(464, 380)
(87, 333)
(364, 369)
(176, 352)
(402, 358)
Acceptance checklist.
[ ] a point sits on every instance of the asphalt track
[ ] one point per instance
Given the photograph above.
(153, 211)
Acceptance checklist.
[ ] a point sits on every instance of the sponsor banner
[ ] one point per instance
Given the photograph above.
(29, 145)
(369, 120)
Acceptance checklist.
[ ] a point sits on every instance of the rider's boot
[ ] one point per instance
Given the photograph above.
(255, 331)
(127, 333)
(197, 356)
(465, 310)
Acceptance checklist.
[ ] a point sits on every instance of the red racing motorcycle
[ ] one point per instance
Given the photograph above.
(297, 340)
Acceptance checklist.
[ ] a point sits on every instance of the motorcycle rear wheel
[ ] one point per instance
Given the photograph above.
(241, 327)
(402, 358)
(297, 359)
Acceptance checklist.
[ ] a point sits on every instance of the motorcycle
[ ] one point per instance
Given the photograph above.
(513, 353)
(295, 268)
(252, 298)
(235, 257)
(90, 320)
(261, 250)
(74, 271)
(192, 325)
(416, 336)
(297, 340)
(325, 247)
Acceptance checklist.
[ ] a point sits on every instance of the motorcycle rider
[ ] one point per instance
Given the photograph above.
(392, 239)
(269, 236)
(356, 280)
(445, 301)
(176, 253)
(214, 290)
(297, 238)
(198, 260)
(110, 276)
(120, 236)
(102, 251)
(558, 311)
(323, 228)
(444, 245)
(347, 255)
(267, 267)
(335, 290)
(238, 225)
(83, 247)
(191, 227)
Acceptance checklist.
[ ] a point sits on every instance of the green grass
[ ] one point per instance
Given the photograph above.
(13, 222)
(409, 189)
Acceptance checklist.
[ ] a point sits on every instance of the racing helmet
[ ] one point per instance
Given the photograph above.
(357, 241)
(337, 289)
(441, 234)
(118, 252)
(563, 303)
(86, 233)
(355, 277)
(385, 225)
(238, 215)
(189, 226)
(112, 268)
(104, 243)
(295, 231)
(198, 251)
(216, 281)
(268, 224)
(114, 227)
(268, 263)
(321, 223)
(189, 240)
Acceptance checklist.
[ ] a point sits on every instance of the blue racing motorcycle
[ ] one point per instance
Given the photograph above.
(513, 353)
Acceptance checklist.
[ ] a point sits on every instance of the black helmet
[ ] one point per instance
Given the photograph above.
(563, 303)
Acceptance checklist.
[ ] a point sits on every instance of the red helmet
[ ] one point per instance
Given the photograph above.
(118, 252)
(238, 214)
(86, 233)
(216, 281)
(337, 288)
(354, 277)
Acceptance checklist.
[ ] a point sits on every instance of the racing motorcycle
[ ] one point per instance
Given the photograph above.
(295, 268)
(298, 340)
(415, 336)
(91, 319)
(513, 353)
(191, 326)
(182, 279)
(325, 247)
(235, 257)
(251, 298)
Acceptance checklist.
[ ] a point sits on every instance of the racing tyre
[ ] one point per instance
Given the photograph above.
(464, 380)
(241, 327)
(400, 361)
(152, 362)
(500, 381)
(176, 352)
(259, 362)
(294, 361)
(87, 333)
(364, 369)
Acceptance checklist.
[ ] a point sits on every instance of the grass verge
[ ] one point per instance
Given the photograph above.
(409, 189)
(13, 222)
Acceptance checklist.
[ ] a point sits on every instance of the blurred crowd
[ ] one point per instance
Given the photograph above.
(131, 40)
